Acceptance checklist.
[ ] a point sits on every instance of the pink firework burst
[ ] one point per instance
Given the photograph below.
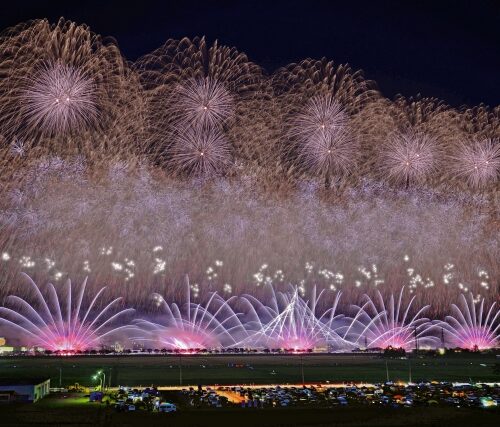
(380, 325)
(200, 151)
(287, 321)
(202, 102)
(191, 326)
(59, 99)
(471, 326)
(409, 157)
(478, 163)
(60, 324)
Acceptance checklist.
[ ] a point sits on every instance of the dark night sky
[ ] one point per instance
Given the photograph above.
(448, 49)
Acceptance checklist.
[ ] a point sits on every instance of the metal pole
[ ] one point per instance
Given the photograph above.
(416, 340)
(302, 369)
(180, 369)
(409, 368)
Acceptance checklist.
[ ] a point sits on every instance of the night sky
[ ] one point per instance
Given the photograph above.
(450, 50)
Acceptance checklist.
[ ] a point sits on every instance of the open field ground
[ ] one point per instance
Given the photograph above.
(77, 411)
(249, 369)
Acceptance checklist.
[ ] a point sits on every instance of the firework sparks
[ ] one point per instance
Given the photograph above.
(201, 152)
(62, 325)
(409, 158)
(59, 99)
(390, 325)
(471, 326)
(478, 163)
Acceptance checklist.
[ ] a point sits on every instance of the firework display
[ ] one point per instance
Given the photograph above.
(269, 190)
(62, 322)
(276, 321)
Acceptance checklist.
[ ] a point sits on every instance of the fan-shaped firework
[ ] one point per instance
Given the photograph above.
(192, 326)
(380, 325)
(409, 157)
(200, 151)
(62, 325)
(61, 83)
(287, 321)
(478, 163)
(471, 326)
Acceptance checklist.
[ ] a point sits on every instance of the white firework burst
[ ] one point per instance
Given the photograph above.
(202, 102)
(478, 163)
(59, 99)
(322, 117)
(201, 151)
(409, 157)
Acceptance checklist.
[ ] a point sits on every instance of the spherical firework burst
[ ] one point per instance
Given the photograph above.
(322, 116)
(322, 140)
(188, 82)
(202, 103)
(59, 99)
(409, 157)
(316, 99)
(200, 151)
(470, 326)
(63, 87)
(59, 324)
(477, 163)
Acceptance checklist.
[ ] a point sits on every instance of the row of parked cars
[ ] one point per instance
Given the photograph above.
(131, 399)
(387, 394)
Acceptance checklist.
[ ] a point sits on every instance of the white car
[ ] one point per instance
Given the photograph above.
(131, 408)
(167, 407)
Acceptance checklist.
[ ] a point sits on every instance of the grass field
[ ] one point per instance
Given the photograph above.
(248, 369)
(54, 411)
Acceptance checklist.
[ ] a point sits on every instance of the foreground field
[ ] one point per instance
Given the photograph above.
(79, 412)
(249, 369)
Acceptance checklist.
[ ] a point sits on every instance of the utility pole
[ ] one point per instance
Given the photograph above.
(416, 340)
(409, 370)
(302, 368)
(180, 369)
(443, 343)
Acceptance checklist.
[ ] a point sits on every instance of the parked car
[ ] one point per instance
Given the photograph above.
(167, 407)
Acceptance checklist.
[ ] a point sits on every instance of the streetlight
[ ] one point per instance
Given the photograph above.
(102, 380)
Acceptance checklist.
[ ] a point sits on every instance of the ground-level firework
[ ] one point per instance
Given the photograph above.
(280, 320)
(61, 321)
